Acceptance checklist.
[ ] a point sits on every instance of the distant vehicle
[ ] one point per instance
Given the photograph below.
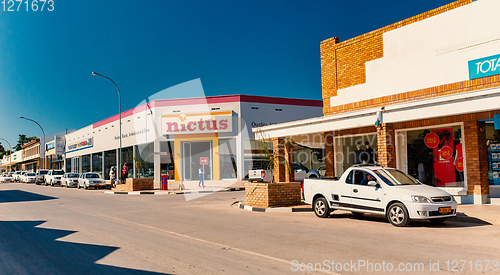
(378, 190)
(29, 177)
(70, 180)
(322, 171)
(53, 177)
(16, 175)
(40, 176)
(301, 173)
(88, 180)
(6, 177)
(22, 175)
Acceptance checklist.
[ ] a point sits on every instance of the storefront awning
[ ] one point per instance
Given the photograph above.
(457, 104)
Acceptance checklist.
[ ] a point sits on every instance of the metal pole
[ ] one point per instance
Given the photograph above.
(10, 155)
(43, 139)
(120, 120)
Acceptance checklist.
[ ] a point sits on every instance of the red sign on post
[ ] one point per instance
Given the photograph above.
(431, 140)
(203, 161)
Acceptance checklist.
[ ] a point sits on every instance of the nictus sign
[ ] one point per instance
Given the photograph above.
(486, 66)
(197, 123)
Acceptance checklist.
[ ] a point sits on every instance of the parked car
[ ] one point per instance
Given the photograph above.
(301, 173)
(29, 177)
(94, 180)
(40, 176)
(6, 177)
(70, 180)
(378, 190)
(16, 175)
(22, 175)
(53, 177)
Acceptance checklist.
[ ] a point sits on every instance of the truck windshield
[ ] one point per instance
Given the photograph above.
(395, 177)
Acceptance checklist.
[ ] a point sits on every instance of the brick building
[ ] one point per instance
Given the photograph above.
(420, 95)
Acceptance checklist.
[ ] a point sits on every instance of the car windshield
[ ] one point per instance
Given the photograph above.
(92, 176)
(58, 173)
(30, 174)
(43, 172)
(394, 177)
(73, 175)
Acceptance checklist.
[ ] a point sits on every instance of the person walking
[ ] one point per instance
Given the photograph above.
(112, 176)
(201, 183)
(124, 173)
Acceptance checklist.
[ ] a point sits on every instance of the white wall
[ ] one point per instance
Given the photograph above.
(429, 53)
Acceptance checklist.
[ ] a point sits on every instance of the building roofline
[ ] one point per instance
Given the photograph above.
(212, 100)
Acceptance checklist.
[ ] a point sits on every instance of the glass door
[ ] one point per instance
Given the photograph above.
(192, 152)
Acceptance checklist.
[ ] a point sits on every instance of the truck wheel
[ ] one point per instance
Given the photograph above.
(321, 208)
(398, 215)
(438, 220)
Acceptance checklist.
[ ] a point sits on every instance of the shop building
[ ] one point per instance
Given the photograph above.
(31, 156)
(422, 93)
(172, 136)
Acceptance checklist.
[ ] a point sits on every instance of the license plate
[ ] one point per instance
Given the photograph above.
(444, 210)
(97, 184)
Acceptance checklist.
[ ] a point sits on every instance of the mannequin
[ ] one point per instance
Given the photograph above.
(370, 153)
(358, 154)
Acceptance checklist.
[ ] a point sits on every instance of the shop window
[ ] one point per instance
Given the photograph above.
(435, 156)
(109, 161)
(355, 150)
(97, 163)
(493, 143)
(227, 159)
(127, 157)
(167, 166)
(144, 160)
(68, 165)
(85, 163)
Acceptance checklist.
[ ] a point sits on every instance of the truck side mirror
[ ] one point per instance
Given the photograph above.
(373, 183)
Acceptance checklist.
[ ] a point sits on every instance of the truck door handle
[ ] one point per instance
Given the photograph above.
(355, 190)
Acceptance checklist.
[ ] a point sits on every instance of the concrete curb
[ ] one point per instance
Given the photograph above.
(280, 209)
(170, 192)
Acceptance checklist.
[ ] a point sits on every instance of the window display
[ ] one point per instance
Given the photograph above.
(436, 156)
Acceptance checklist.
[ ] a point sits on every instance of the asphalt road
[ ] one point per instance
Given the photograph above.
(52, 230)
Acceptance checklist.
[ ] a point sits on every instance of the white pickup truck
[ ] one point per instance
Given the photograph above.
(301, 173)
(375, 189)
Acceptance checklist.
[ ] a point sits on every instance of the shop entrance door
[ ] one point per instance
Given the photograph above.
(192, 151)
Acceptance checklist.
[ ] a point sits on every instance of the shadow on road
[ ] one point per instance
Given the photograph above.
(26, 249)
(20, 196)
(461, 220)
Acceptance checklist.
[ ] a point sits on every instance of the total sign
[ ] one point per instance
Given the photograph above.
(486, 66)
(197, 123)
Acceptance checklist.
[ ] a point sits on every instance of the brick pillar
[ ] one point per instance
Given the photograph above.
(329, 154)
(283, 154)
(476, 158)
(386, 145)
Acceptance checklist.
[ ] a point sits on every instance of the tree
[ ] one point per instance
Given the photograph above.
(266, 151)
(23, 140)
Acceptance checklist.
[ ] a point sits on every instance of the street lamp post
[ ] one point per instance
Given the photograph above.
(43, 140)
(120, 122)
(10, 155)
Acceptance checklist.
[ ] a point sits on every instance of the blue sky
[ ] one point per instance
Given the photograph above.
(234, 47)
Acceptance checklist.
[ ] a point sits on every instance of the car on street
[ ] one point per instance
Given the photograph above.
(29, 177)
(40, 176)
(94, 180)
(6, 177)
(22, 175)
(53, 177)
(16, 175)
(70, 180)
(369, 188)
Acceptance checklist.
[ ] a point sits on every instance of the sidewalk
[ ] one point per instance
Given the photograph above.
(191, 187)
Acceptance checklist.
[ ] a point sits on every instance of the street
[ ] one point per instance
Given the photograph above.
(52, 230)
